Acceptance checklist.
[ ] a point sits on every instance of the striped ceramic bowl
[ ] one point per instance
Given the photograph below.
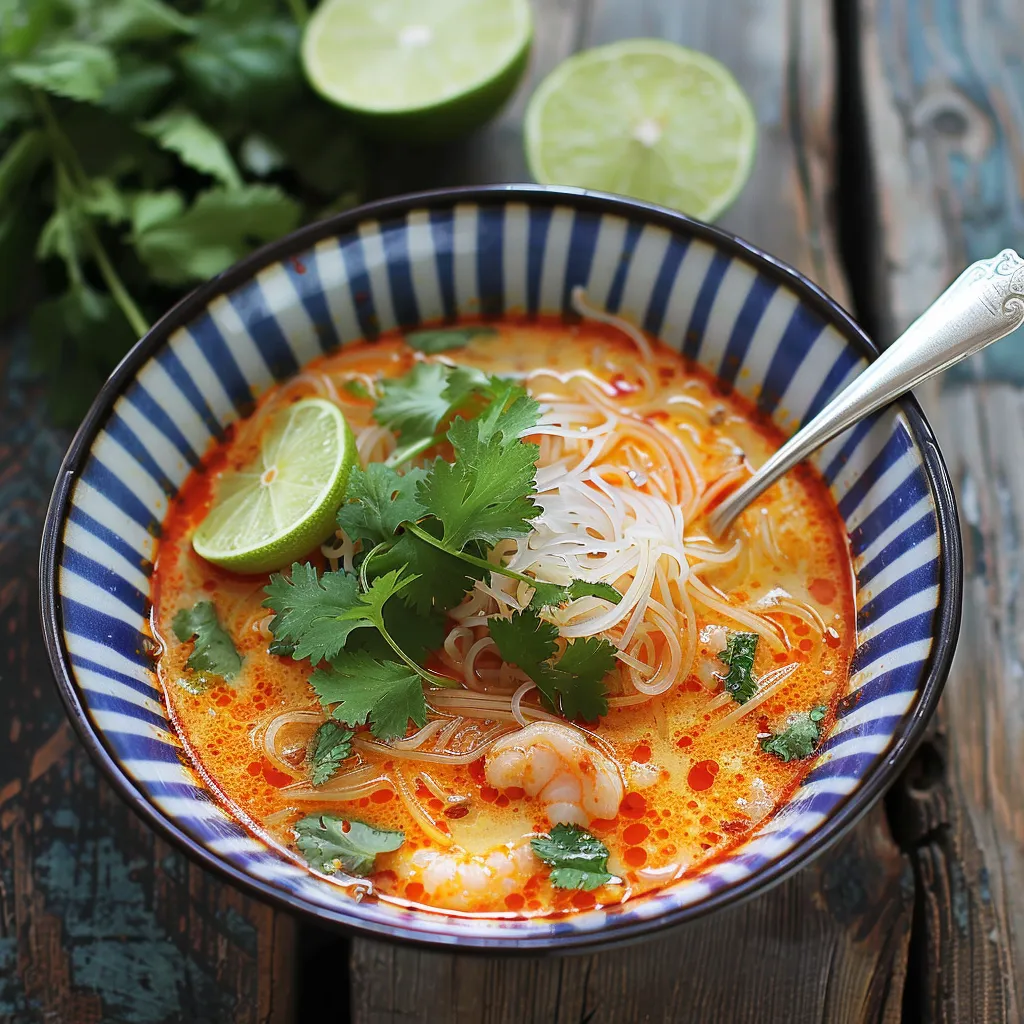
(752, 321)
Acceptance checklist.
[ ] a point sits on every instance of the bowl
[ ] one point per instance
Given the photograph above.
(756, 323)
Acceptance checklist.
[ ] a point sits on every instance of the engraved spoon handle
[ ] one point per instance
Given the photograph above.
(984, 304)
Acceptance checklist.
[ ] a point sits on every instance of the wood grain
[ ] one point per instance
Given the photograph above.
(943, 89)
(100, 921)
(832, 943)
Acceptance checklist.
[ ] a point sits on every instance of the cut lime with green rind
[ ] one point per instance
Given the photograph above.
(647, 119)
(283, 504)
(418, 70)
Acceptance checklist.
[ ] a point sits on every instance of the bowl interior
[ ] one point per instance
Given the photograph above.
(433, 258)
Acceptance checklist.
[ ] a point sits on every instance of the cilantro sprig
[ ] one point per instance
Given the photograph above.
(577, 859)
(142, 150)
(213, 651)
(740, 681)
(331, 844)
(328, 747)
(572, 683)
(800, 737)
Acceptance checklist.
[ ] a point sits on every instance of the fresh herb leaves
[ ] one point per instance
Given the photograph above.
(799, 738)
(312, 611)
(414, 405)
(444, 339)
(328, 747)
(214, 650)
(739, 652)
(378, 501)
(573, 683)
(364, 689)
(485, 493)
(577, 859)
(333, 844)
(152, 134)
(422, 538)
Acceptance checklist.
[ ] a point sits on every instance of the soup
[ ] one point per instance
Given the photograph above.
(519, 677)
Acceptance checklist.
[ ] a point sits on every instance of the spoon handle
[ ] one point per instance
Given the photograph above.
(984, 304)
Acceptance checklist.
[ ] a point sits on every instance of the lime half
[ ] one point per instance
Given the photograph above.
(647, 119)
(419, 69)
(283, 503)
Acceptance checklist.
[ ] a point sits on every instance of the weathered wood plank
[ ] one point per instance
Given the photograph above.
(943, 89)
(99, 919)
(830, 944)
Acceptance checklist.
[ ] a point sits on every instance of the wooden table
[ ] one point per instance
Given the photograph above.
(891, 153)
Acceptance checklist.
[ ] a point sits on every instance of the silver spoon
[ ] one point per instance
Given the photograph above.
(984, 304)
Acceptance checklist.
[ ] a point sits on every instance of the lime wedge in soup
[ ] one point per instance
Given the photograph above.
(273, 511)
(425, 70)
(647, 119)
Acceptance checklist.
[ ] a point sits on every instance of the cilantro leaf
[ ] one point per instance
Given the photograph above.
(379, 501)
(443, 339)
(214, 650)
(577, 859)
(413, 406)
(69, 67)
(312, 611)
(740, 680)
(369, 606)
(580, 678)
(421, 633)
(195, 144)
(331, 843)
(328, 747)
(384, 693)
(574, 684)
(550, 595)
(510, 412)
(799, 738)
(442, 579)
(485, 493)
(525, 639)
(218, 229)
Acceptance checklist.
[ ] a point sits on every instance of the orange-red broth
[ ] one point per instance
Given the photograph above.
(689, 797)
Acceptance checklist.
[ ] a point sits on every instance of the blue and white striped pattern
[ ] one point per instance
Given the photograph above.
(517, 251)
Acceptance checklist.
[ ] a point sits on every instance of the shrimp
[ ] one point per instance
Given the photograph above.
(459, 880)
(555, 763)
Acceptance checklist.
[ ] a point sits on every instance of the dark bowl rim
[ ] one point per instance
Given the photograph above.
(878, 776)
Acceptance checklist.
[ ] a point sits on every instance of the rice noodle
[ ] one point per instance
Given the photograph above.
(580, 304)
(273, 731)
(415, 808)
(348, 785)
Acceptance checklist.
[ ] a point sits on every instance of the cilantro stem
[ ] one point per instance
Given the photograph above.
(480, 563)
(364, 582)
(418, 669)
(69, 168)
(300, 12)
(410, 451)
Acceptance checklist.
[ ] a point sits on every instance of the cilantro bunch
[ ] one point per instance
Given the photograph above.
(424, 536)
(143, 148)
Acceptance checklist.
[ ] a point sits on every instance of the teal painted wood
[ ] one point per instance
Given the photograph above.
(946, 84)
(99, 920)
(943, 89)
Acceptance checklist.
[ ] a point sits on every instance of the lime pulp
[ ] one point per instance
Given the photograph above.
(419, 69)
(281, 505)
(644, 118)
